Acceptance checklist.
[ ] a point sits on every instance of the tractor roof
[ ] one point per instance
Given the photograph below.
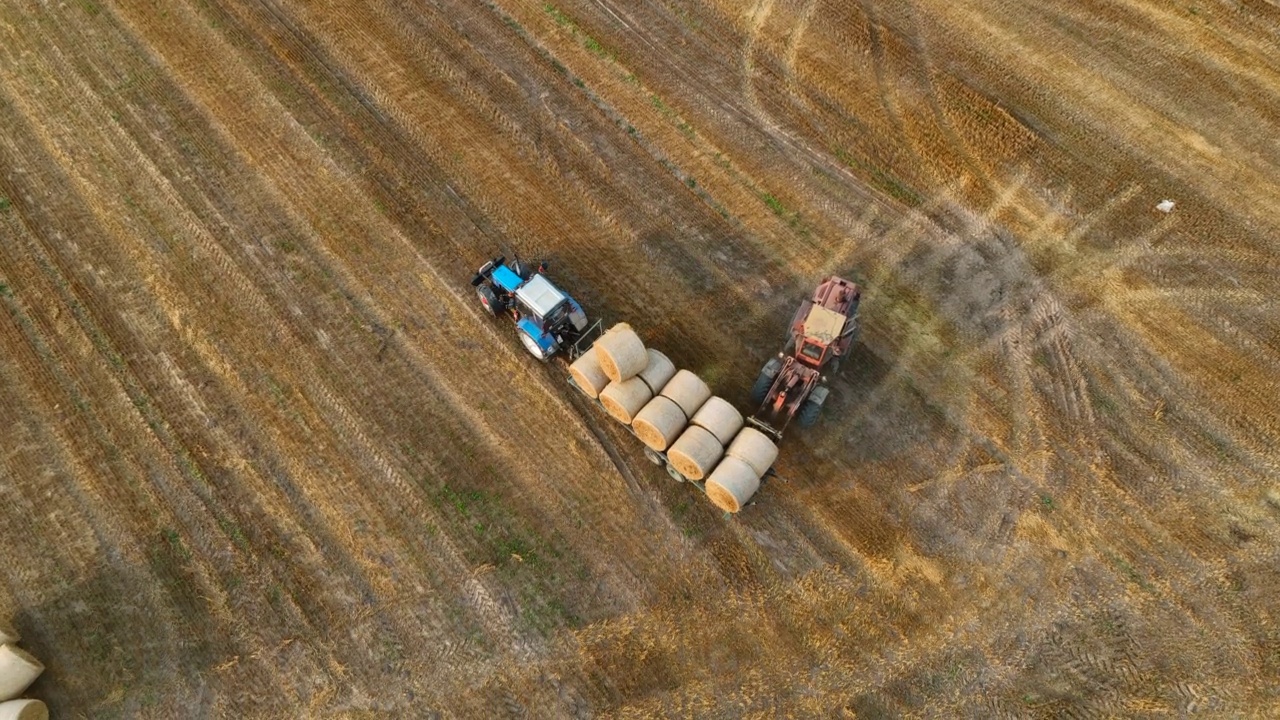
(506, 278)
(540, 295)
(823, 324)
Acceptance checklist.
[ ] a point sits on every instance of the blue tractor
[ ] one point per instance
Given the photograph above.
(548, 321)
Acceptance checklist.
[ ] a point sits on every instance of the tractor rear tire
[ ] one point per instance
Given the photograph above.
(761, 388)
(808, 415)
(488, 300)
(532, 346)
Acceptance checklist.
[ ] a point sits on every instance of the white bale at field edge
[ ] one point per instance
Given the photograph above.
(755, 449)
(658, 372)
(688, 391)
(24, 710)
(718, 417)
(588, 375)
(17, 670)
(623, 400)
(695, 453)
(8, 634)
(659, 423)
(621, 353)
(732, 484)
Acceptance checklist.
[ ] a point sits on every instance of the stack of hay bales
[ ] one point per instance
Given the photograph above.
(702, 444)
(674, 412)
(660, 422)
(17, 671)
(634, 373)
(737, 477)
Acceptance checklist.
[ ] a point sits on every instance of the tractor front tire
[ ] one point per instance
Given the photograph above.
(808, 415)
(761, 388)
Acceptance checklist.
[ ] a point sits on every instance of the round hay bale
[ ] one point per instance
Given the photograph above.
(17, 670)
(659, 423)
(624, 399)
(755, 449)
(719, 417)
(621, 353)
(696, 452)
(8, 634)
(588, 375)
(24, 710)
(658, 372)
(686, 390)
(732, 484)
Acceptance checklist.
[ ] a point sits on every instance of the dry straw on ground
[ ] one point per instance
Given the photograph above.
(623, 400)
(621, 353)
(24, 710)
(695, 453)
(658, 372)
(720, 418)
(588, 375)
(18, 669)
(8, 634)
(732, 484)
(659, 423)
(688, 391)
(754, 448)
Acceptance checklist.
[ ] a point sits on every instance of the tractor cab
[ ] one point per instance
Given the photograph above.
(541, 300)
(822, 327)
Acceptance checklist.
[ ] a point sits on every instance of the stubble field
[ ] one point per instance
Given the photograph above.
(264, 456)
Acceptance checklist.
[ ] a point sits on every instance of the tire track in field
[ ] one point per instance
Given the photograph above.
(351, 426)
(123, 485)
(482, 427)
(923, 70)
(742, 128)
(199, 490)
(879, 61)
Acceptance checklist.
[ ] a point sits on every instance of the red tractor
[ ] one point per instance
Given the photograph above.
(794, 383)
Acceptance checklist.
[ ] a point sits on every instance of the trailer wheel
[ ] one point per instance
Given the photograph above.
(674, 473)
(653, 456)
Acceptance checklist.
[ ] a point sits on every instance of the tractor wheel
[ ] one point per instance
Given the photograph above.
(531, 344)
(833, 367)
(488, 300)
(808, 415)
(761, 388)
(653, 456)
